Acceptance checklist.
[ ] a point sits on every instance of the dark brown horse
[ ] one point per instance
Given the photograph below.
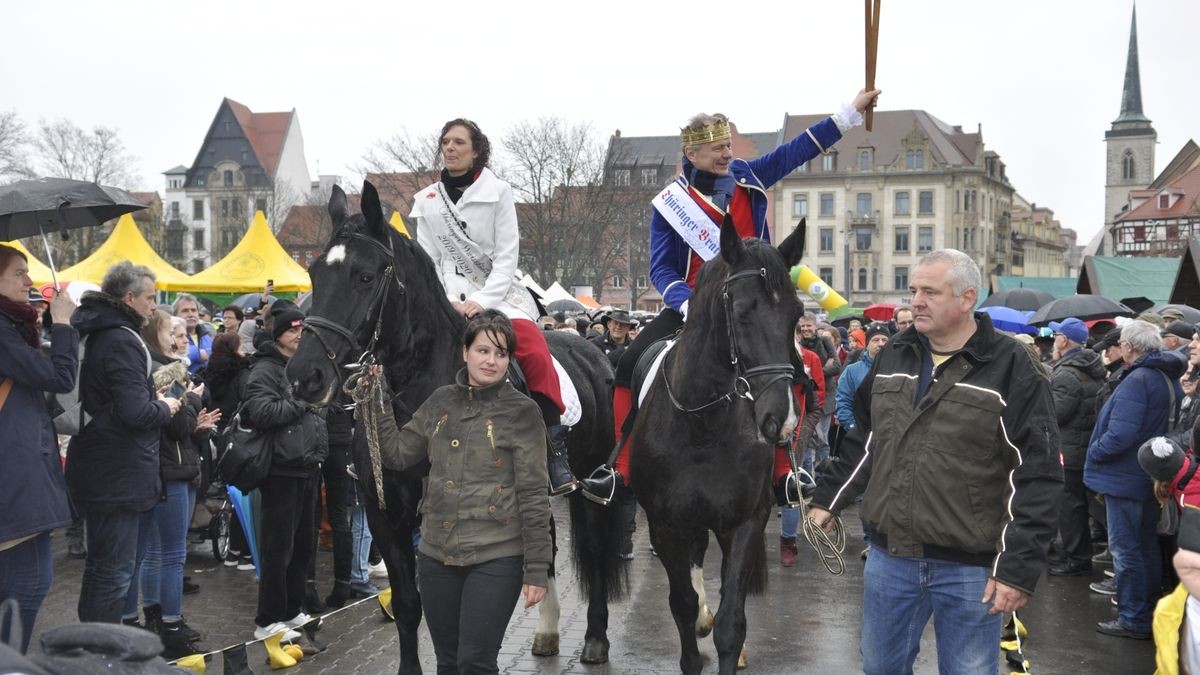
(376, 290)
(702, 448)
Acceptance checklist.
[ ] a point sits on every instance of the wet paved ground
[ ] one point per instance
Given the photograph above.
(808, 622)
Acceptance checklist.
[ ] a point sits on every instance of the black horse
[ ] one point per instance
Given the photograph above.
(702, 448)
(374, 289)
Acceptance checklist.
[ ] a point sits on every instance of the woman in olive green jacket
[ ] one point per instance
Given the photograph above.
(485, 532)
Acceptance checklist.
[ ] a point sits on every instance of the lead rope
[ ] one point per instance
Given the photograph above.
(827, 548)
(367, 391)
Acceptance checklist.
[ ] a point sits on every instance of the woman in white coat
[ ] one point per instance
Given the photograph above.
(467, 223)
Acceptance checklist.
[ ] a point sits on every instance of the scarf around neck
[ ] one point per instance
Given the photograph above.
(456, 185)
(719, 188)
(24, 314)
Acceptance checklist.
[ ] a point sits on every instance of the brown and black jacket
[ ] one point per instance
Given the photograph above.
(959, 463)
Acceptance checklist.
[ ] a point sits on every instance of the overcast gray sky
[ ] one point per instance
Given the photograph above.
(1043, 77)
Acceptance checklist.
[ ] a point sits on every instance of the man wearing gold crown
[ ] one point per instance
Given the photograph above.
(718, 184)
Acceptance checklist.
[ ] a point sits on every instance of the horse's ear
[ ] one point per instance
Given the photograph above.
(338, 210)
(792, 248)
(372, 211)
(732, 248)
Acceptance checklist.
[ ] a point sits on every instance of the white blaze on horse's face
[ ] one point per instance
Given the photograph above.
(336, 254)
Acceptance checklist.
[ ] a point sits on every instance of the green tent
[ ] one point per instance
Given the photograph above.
(1117, 278)
(1059, 287)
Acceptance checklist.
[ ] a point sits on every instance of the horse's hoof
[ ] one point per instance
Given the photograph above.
(743, 658)
(594, 651)
(705, 627)
(545, 644)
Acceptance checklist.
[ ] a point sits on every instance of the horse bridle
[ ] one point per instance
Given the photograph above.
(315, 324)
(742, 375)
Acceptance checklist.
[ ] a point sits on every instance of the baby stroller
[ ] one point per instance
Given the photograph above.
(211, 518)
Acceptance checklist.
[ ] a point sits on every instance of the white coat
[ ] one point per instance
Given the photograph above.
(490, 215)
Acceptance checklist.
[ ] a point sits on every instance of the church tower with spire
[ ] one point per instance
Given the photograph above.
(1130, 143)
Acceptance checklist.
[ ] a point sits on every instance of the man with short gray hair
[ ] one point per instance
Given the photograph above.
(199, 339)
(1144, 405)
(956, 449)
(112, 465)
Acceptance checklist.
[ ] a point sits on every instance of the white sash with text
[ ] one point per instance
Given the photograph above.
(679, 208)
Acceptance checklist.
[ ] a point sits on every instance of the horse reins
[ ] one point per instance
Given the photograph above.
(742, 375)
(362, 388)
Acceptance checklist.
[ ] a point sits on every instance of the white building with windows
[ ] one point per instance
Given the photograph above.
(248, 162)
(879, 200)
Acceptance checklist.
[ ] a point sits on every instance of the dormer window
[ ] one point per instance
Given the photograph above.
(1164, 202)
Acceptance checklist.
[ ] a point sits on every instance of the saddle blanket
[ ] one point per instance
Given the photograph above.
(570, 397)
(652, 371)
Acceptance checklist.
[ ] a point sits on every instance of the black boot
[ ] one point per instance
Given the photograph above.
(561, 480)
(602, 485)
(153, 618)
(176, 642)
(312, 599)
(339, 595)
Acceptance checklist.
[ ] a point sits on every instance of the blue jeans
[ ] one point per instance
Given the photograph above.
(1137, 560)
(360, 537)
(899, 596)
(25, 576)
(789, 521)
(161, 565)
(818, 446)
(113, 551)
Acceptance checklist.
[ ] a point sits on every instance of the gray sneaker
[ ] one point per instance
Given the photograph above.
(1106, 587)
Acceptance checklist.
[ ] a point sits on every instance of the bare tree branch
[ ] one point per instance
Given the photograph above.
(14, 148)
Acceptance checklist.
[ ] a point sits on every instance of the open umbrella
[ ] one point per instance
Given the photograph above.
(1190, 314)
(880, 311)
(1082, 306)
(565, 305)
(845, 319)
(1024, 299)
(1010, 320)
(30, 207)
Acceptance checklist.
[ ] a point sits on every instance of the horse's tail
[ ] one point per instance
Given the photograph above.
(596, 533)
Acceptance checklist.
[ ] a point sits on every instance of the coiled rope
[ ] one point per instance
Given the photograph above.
(366, 390)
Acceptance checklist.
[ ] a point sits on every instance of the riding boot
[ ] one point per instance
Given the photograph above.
(601, 486)
(561, 480)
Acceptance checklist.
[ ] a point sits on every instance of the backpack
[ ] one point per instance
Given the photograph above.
(66, 410)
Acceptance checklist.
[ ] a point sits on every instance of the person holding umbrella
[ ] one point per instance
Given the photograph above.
(33, 492)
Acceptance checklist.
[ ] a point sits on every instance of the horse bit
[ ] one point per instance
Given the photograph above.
(742, 375)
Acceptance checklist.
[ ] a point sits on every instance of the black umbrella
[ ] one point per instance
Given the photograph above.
(1138, 303)
(35, 207)
(844, 321)
(1190, 314)
(566, 305)
(1024, 299)
(1081, 306)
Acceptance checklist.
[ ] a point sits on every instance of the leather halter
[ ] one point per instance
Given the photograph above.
(742, 375)
(315, 324)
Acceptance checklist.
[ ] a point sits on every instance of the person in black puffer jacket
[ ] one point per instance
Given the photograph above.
(160, 562)
(1075, 382)
(226, 375)
(299, 443)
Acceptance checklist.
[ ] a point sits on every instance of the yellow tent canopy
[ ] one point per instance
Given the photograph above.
(125, 243)
(257, 258)
(38, 271)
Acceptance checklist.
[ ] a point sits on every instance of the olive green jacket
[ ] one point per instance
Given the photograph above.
(486, 494)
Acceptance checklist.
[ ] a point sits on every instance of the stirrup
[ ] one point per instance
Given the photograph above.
(601, 486)
(565, 488)
(797, 486)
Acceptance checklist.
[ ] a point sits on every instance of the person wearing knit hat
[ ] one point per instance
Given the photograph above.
(858, 338)
(284, 319)
(1167, 462)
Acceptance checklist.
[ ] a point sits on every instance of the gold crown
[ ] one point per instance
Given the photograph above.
(717, 131)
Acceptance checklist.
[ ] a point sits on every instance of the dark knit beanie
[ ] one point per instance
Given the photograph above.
(878, 329)
(285, 315)
(1161, 458)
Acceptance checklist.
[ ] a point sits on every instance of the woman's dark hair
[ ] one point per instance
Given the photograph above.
(226, 343)
(479, 141)
(237, 312)
(495, 325)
